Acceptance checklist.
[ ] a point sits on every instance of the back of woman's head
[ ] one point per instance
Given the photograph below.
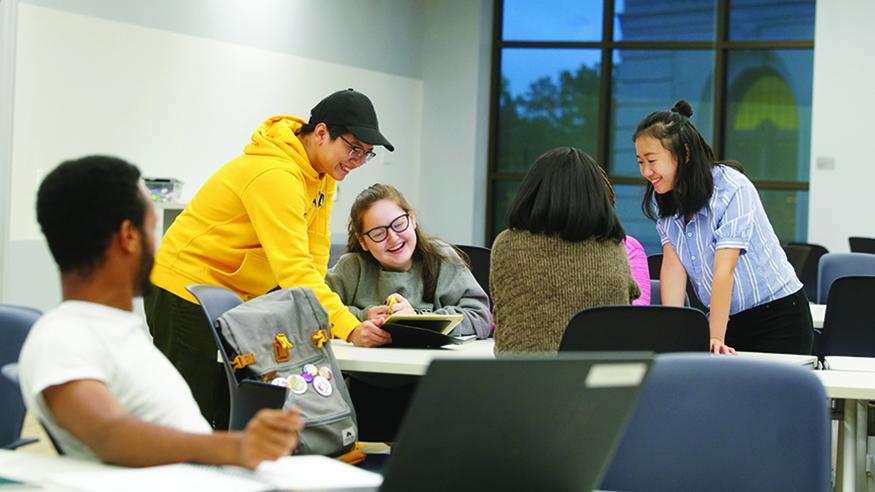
(693, 183)
(564, 194)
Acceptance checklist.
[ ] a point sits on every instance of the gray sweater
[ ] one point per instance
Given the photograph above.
(362, 284)
(539, 282)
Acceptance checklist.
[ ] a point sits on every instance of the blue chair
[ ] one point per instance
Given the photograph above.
(631, 328)
(15, 324)
(836, 265)
(334, 253)
(724, 423)
(849, 324)
(248, 393)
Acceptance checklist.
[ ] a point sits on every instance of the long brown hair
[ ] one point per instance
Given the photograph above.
(426, 251)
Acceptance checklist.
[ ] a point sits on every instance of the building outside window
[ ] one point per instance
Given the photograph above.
(585, 72)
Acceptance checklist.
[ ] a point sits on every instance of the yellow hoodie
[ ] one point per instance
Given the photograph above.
(261, 221)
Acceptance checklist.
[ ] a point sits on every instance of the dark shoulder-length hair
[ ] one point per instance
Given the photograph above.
(564, 194)
(427, 250)
(693, 183)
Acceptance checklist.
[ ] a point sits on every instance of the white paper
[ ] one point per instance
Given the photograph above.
(158, 478)
(314, 472)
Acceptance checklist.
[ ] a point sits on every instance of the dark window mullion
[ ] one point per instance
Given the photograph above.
(720, 57)
(603, 132)
(497, 30)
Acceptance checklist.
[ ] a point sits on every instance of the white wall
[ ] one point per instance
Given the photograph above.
(178, 87)
(8, 23)
(456, 68)
(841, 203)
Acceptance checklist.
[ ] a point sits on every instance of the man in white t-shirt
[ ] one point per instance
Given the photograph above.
(88, 370)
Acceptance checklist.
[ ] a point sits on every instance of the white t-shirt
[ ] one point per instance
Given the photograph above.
(82, 340)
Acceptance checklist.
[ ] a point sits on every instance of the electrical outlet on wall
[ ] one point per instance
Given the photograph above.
(826, 163)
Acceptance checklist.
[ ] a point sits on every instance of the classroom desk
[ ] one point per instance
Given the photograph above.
(36, 470)
(33, 468)
(818, 312)
(414, 362)
(856, 388)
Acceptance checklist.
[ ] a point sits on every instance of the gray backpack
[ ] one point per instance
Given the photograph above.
(284, 338)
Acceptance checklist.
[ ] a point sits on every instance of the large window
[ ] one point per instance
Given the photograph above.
(585, 72)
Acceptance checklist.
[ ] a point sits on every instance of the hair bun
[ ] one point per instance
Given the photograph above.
(683, 107)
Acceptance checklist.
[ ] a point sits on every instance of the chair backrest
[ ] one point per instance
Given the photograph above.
(632, 328)
(797, 255)
(837, 265)
(15, 324)
(656, 297)
(478, 257)
(248, 396)
(215, 301)
(862, 244)
(335, 251)
(725, 423)
(808, 275)
(654, 264)
(849, 323)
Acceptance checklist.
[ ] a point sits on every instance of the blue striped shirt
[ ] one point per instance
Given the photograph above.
(733, 219)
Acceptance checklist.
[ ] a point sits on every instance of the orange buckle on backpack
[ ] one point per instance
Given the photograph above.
(281, 346)
(242, 361)
(319, 338)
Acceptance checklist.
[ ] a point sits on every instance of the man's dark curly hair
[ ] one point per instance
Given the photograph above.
(82, 203)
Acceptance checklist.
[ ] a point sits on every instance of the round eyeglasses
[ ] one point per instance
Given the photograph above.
(357, 153)
(380, 233)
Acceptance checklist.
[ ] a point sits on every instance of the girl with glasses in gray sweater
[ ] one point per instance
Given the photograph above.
(392, 267)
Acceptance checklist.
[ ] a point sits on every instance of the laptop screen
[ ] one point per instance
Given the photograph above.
(546, 422)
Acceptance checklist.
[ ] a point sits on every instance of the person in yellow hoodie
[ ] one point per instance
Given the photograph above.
(260, 222)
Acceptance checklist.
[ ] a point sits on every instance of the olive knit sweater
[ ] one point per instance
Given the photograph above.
(539, 282)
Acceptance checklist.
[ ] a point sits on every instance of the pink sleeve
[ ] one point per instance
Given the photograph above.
(640, 271)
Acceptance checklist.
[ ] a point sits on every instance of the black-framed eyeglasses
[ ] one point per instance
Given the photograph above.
(357, 153)
(380, 233)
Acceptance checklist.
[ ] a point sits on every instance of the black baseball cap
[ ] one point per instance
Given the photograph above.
(354, 111)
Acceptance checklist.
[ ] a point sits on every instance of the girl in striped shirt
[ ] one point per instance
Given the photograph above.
(714, 230)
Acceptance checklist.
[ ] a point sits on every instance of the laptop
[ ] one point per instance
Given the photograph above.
(524, 423)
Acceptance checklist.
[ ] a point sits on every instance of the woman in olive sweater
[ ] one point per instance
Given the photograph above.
(562, 253)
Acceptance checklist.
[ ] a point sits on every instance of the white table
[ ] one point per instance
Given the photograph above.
(64, 474)
(33, 469)
(818, 312)
(856, 388)
(415, 362)
(853, 364)
(412, 362)
(809, 361)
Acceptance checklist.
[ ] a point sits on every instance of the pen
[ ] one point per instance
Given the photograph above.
(391, 301)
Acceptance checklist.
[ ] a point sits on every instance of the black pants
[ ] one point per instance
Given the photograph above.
(181, 332)
(781, 326)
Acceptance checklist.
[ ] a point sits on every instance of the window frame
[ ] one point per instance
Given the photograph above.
(721, 46)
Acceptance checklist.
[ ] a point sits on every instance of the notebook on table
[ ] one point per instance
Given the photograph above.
(421, 330)
(533, 423)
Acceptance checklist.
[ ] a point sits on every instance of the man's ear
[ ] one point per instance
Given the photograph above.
(321, 132)
(129, 237)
